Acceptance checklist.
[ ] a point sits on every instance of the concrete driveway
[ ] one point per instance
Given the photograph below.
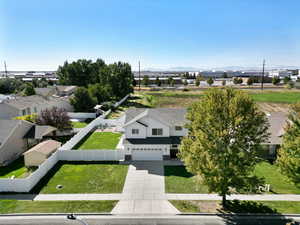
(144, 190)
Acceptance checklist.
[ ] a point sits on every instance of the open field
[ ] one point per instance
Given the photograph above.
(99, 140)
(15, 169)
(237, 206)
(178, 180)
(136, 101)
(82, 177)
(179, 99)
(18, 206)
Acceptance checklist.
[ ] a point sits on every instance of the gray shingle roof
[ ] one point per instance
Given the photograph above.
(170, 116)
(7, 126)
(39, 131)
(277, 122)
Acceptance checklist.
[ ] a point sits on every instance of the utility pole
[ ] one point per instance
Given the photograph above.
(139, 76)
(263, 75)
(5, 69)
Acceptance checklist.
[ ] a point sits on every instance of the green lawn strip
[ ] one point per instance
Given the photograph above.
(188, 206)
(179, 180)
(26, 206)
(99, 140)
(82, 177)
(279, 183)
(16, 168)
(79, 124)
(276, 97)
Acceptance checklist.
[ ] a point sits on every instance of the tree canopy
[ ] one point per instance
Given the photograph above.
(56, 117)
(289, 153)
(223, 145)
(117, 76)
(82, 100)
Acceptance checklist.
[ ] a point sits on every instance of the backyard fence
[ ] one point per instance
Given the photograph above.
(90, 127)
(73, 115)
(26, 184)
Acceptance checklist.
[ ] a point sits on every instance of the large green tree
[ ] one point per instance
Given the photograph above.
(29, 90)
(289, 153)
(82, 101)
(223, 143)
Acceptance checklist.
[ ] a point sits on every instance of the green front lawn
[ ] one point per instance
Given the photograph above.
(16, 168)
(186, 206)
(179, 180)
(278, 182)
(81, 177)
(276, 97)
(79, 124)
(20, 206)
(99, 140)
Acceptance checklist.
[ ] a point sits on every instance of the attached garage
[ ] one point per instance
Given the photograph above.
(147, 154)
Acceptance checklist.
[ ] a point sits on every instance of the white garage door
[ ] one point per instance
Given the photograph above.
(147, 154)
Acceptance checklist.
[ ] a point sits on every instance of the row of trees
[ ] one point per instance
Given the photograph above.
(98, 81)
(223, 145)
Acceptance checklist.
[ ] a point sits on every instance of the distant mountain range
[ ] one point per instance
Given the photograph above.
(225, 68)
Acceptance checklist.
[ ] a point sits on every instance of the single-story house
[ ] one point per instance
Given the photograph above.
(16, 136)
(39, 153)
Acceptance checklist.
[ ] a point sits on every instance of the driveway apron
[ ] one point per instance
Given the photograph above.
(144, 190)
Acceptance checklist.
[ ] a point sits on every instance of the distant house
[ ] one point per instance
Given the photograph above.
(20, 106)
(39, 153)
(153, 134)
(57, 90)
(16, 136)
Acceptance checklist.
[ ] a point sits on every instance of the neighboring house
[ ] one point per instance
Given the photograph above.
(153, 134)
(20, 106)
(58, 90)
(277, 121)
(39, 153)
(16, 137)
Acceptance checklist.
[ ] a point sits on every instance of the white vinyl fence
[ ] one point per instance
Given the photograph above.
(90, 127)
(26, 184)
(73, 115)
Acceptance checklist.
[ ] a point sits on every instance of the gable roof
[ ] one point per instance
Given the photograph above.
(39, 131)
(45, 147)
(170, 116)
(7, 127)
(277, 121)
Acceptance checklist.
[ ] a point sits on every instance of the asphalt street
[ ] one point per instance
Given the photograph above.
(146, 220)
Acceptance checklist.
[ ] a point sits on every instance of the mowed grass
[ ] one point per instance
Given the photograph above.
(80, 177)
(16, 168)
(79, 124)
(276, 97)
(99, 140)
(178, 180)
(20, 206)
(279, 183)
(186, 206)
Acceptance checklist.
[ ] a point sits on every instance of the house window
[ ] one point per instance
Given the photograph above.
(28, 111)
(157, 131)
(23, 112)
(178, 128)
(35, 109)
(135, 131)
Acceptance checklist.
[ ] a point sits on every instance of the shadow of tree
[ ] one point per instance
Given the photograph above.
(239, 213)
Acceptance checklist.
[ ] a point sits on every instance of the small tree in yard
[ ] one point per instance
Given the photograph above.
(185, 83)
(223, 82)
(289, 153)
(56, 117)
(29, 90)
(146, 80)
(223, 145)
(210, 81)
(275, 80)
(286, 80)
(158, 82)
(82, 100)
(249, 81)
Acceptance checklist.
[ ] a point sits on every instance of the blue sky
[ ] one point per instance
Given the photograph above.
(42, 34)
